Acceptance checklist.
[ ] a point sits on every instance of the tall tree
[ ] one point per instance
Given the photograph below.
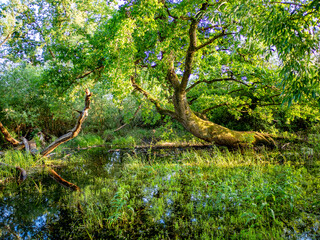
(189, 50)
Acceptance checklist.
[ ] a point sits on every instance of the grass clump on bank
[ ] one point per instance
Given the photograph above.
(16, 159)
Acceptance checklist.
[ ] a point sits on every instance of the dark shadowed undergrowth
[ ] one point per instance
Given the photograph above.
(208, 194)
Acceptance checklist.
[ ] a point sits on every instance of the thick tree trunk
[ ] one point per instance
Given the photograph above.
(199, 127)
(212, 132)
(196, 125)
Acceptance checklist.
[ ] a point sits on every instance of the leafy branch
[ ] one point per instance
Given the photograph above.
(215, 80)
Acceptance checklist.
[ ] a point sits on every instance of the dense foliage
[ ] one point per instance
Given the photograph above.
(251, 56)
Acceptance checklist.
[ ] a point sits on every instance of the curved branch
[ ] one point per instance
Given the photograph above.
(5, 40)
(75, 131)
(89, 72)
(174, 17)
(134, 115)
(156, 102)
(64, 138)
(215, 80)
(211, 40)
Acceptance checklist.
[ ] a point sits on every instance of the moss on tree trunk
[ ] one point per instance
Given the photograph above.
(212, 132)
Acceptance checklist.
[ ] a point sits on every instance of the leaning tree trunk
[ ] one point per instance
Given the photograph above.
(72, 133)
(212, 132)
(199, 127)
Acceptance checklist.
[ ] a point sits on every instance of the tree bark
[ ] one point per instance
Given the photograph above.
(212, 132)
(204, 129)
(26, 145)
(5, 40)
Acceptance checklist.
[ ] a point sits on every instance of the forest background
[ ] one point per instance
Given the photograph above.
(240, 77)
(254, 68)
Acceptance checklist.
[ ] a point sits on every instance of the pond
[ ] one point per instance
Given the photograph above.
(34, 208)
(163, 195)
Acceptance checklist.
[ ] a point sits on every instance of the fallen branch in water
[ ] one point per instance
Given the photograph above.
(158, 146)
(166, 146)
(64, 138)
(55, 176)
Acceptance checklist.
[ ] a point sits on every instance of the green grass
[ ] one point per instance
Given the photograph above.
(84, 140)
(205, 195)
(16, 159)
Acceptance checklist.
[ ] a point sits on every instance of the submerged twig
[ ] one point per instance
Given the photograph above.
(166, 146)
(55, 176)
